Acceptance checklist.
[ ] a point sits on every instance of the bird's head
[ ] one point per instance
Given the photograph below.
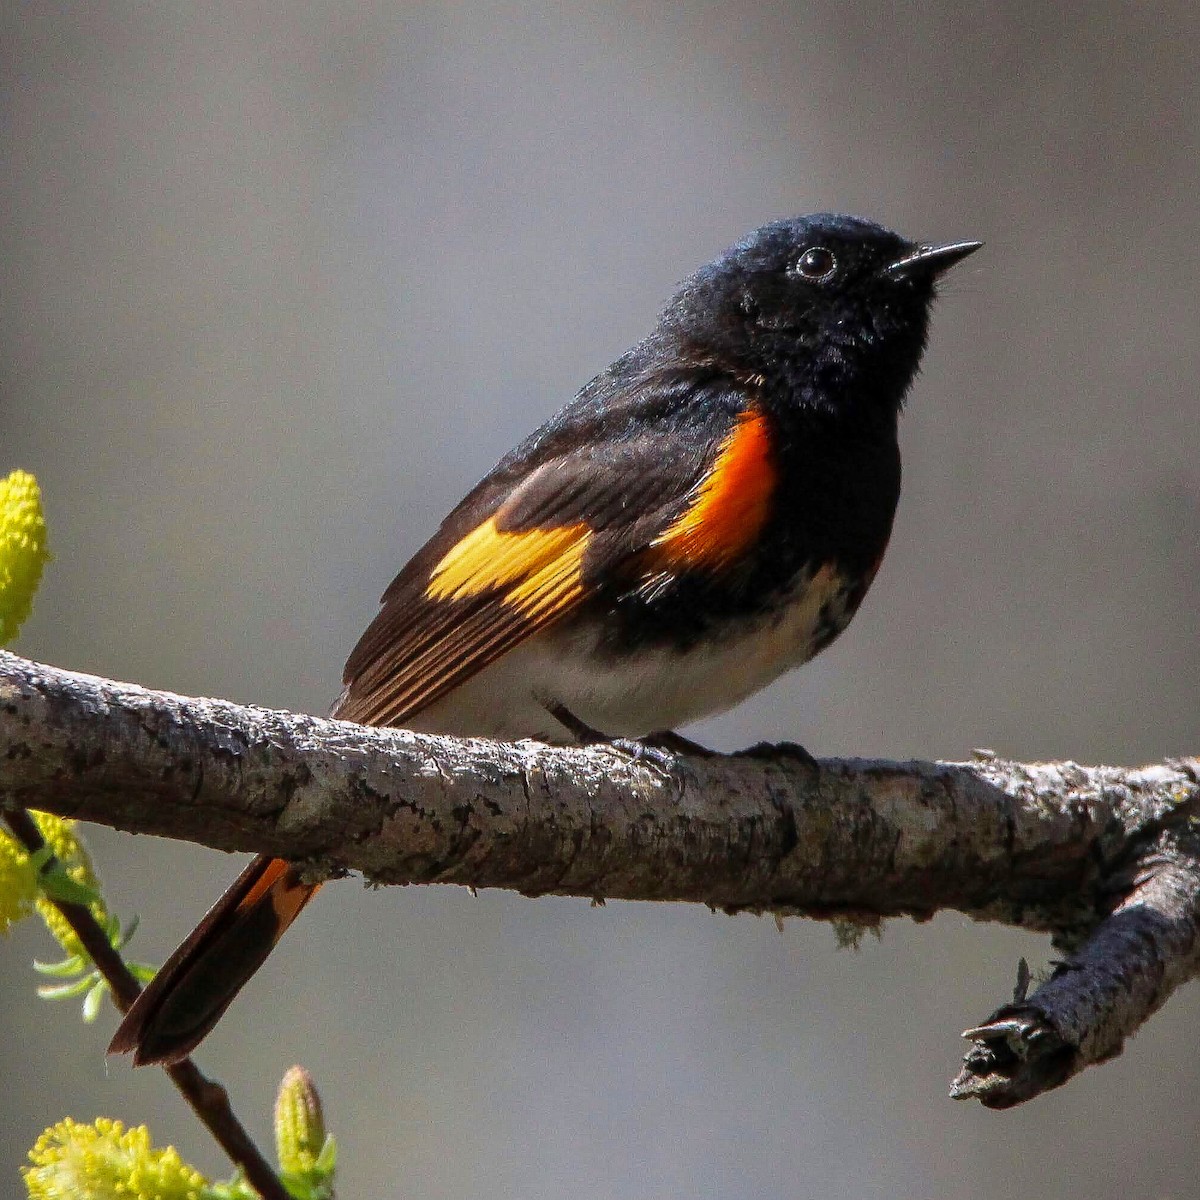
(834, 306)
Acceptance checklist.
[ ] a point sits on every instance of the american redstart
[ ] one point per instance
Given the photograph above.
(707, 513)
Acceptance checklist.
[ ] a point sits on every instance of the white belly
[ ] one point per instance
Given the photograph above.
(652, 691)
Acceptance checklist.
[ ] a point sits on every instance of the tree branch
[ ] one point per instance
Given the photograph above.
(1106, 859)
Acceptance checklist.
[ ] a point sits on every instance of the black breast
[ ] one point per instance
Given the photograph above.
(833, 507)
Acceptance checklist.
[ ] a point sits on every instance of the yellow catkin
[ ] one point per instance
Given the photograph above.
(60, 836)
(23, 551)
(18, 882)
(102, 1160)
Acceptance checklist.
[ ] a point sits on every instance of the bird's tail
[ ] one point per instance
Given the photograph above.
(199, 981)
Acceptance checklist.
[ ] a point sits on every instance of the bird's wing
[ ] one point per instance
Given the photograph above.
(571, 511)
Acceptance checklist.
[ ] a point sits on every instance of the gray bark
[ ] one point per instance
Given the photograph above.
(1106, 859)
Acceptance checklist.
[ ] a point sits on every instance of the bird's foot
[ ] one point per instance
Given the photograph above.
(660, 749)
(642, 750)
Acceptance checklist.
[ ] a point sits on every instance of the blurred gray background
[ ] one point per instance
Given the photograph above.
(280, 282)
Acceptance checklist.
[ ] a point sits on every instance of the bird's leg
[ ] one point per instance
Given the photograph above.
(668, 739)
(664, 745)
(583, 733)
(661, 749)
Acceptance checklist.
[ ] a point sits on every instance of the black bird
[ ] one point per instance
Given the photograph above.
(706, 514)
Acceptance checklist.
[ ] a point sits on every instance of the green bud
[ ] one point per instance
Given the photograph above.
(307, 1155)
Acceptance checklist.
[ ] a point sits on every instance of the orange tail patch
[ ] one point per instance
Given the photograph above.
(200, 980)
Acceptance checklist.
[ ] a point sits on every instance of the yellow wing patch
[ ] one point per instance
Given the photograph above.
(730, 506)
(537, 570)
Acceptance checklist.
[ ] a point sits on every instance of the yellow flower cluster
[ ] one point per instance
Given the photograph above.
(18, 882)
(75, 861)
(22, 556)
(19, 877)
(60, 836)
(104, 1161)
(19, 892)
(23, 551)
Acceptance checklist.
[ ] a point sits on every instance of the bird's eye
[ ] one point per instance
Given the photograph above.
(816, 264)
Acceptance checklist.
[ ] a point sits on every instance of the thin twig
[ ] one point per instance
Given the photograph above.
(208, 1099)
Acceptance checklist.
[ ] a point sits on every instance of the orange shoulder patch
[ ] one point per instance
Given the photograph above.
(536, 570)
(730, 505)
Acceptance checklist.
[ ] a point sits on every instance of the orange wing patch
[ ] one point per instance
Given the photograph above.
(731, 504)
(538, 570)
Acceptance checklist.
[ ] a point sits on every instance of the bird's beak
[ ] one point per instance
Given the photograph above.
(929, 261)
